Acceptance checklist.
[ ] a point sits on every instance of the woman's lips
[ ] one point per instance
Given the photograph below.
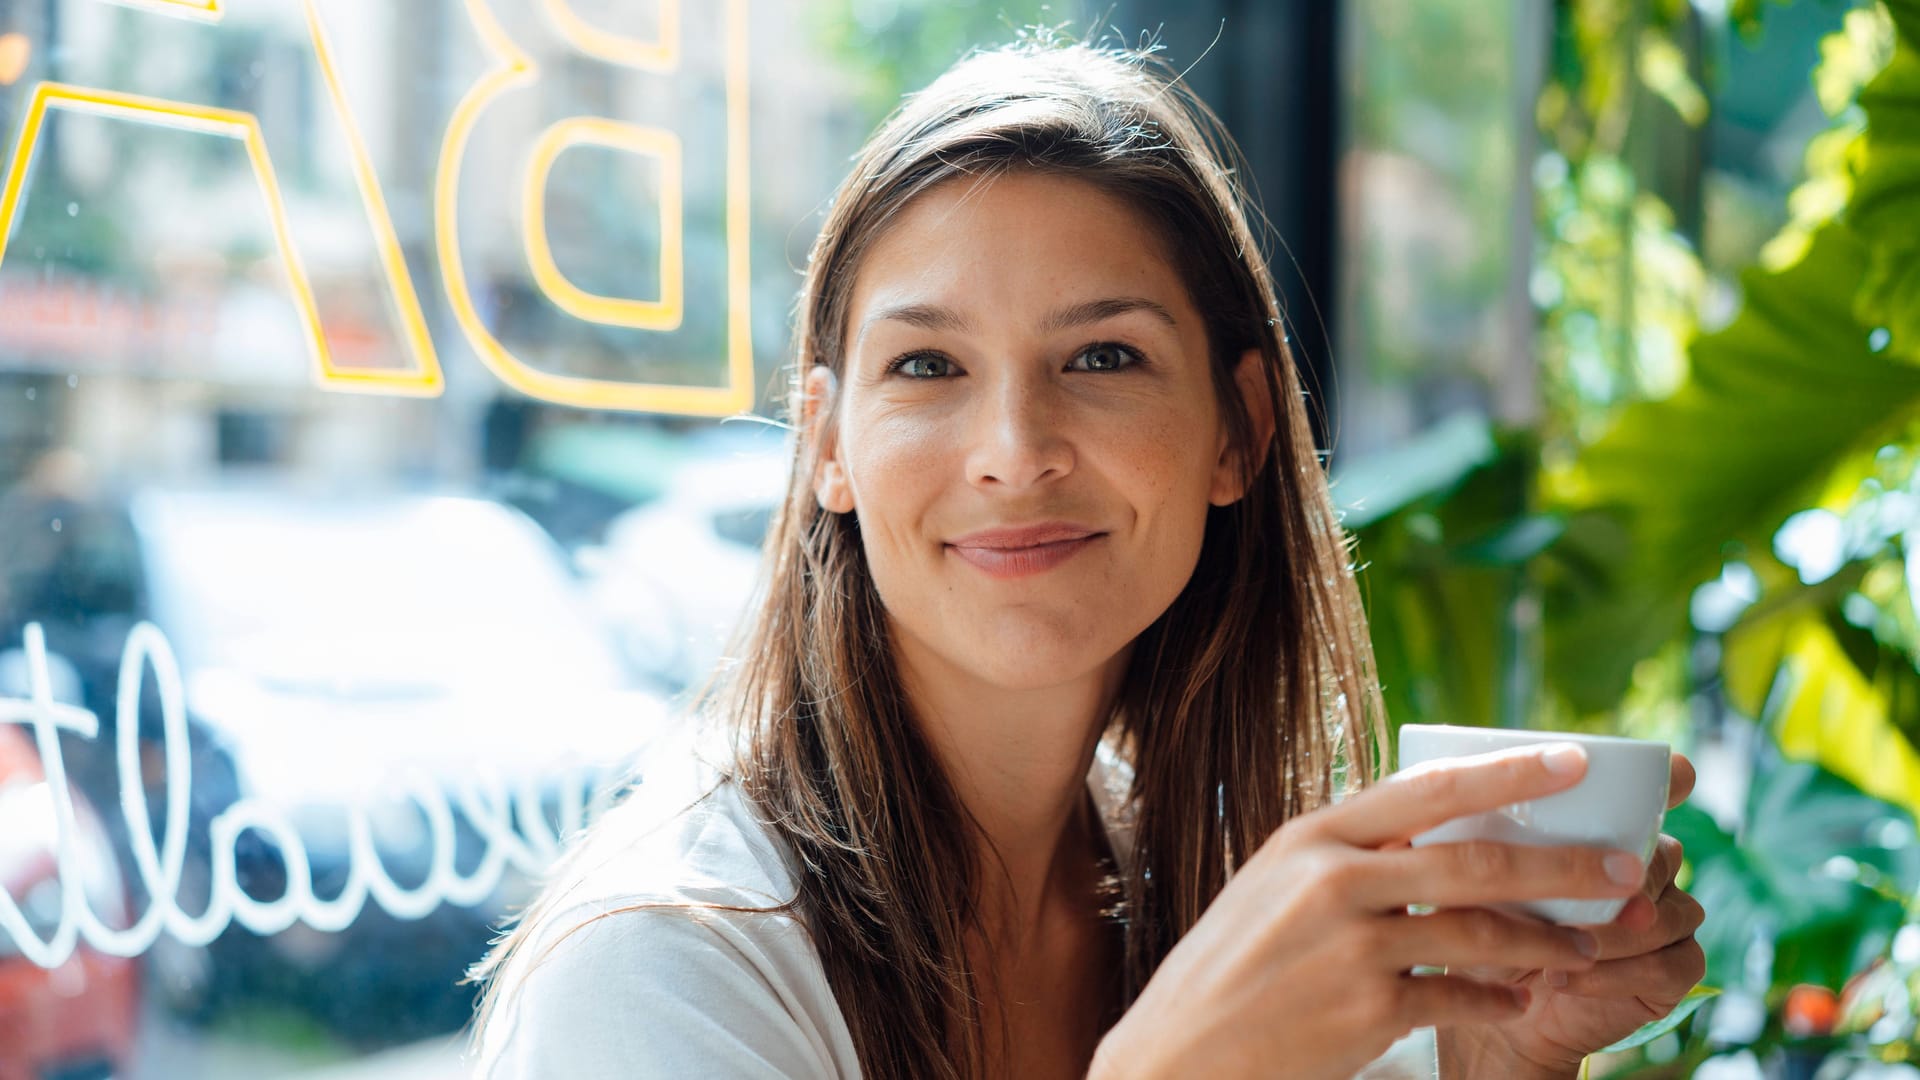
(1014, 553)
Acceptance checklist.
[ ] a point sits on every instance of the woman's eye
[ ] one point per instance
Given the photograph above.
(924, 366)
(1103, 358)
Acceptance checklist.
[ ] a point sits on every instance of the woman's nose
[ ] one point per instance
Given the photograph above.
(1018, 438)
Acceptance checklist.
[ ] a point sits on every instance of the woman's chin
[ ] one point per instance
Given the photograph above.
(1020, 676)
(1029, 646)
(1039, 661)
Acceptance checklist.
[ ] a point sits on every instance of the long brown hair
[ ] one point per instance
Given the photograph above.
(1241, 701)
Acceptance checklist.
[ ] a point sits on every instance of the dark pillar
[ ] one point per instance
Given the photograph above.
(1271, 69)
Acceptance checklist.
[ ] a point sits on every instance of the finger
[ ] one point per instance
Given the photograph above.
(1482, 872)
(1637, 917)
(1677, 916)
(1640, 912)
(1446, 1000)
(1664, 867)
(1680, 778)
(1417, 799)
(1479, 938)
(1663, 975)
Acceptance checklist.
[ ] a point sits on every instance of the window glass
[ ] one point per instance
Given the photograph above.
(365, 500)
(1433, 130)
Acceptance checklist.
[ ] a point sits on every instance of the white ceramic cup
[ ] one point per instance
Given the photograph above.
(1620, 803)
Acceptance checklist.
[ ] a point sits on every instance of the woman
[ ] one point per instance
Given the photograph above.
(1035, 734)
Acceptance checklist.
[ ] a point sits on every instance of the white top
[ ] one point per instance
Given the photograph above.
(669, 993)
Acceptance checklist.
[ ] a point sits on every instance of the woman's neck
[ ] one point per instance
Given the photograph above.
(1045, 956)
(1018, 760)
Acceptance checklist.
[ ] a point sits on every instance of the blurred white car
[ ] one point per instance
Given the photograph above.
(675, 574)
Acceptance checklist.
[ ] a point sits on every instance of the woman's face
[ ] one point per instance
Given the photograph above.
(1027, 428)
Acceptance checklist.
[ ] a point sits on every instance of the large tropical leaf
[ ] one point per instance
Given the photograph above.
(1442, 538)
(1428, 467)
(1689, 1005)
(1906, 18)
(1774, 401)
(1820, 706)
(1886, 201)
(1818, 870)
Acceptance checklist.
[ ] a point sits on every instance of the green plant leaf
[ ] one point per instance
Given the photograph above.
(1688, 1005)
(1445, 531)
(1785, 877)
(1820, 705)
(1774, 401)
(1850, 58)
(1746, 16)
(1886, 201)
(1906, 18)
(1514, 543)
(1433, 463)
(1663, 68)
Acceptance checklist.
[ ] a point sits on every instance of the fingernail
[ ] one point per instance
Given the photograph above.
(1624, 868)
(1564, 760)
(1587, 944)
(1556, 979)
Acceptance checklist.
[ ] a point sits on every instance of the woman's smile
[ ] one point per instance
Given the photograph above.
(1022, 551)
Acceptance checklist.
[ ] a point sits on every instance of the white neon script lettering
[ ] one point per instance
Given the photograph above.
(512, 828)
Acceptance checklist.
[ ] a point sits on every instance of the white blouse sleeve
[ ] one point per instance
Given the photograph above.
(664, 992)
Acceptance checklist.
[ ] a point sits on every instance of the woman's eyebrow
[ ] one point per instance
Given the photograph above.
(936, 317)
(1092, 311)
(924, 316)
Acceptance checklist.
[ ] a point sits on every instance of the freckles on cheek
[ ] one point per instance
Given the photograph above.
(1169, 463)
(894, 469)
(1163, 457)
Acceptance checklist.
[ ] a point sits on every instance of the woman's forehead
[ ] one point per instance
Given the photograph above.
(1019, 243)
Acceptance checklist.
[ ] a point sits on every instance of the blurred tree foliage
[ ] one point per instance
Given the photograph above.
(891, 47)
(1805, 401)
(1430, 110)
(1718, 521)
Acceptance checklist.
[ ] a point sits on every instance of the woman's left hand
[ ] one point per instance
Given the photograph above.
(1648, 961)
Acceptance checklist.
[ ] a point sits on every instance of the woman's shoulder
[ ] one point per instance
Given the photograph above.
(686, 832)
(662, 944)
(686, 840)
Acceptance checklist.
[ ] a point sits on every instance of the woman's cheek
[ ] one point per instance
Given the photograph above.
(899, 464)
(1169, 463)
(1160, 457)
(904, 457)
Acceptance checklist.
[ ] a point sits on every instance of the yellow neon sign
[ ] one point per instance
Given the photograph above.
(514, 69)
(203, 10)
(425, 380)
(517, 69)
(201, 119)
(665, 313)
(661, 55)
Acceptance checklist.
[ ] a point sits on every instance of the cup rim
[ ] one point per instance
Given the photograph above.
(1529, 735)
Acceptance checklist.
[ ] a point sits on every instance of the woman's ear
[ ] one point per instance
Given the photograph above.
(1233, 472)
(830, 486)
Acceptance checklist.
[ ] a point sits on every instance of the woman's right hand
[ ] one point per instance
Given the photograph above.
(1302, 965)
